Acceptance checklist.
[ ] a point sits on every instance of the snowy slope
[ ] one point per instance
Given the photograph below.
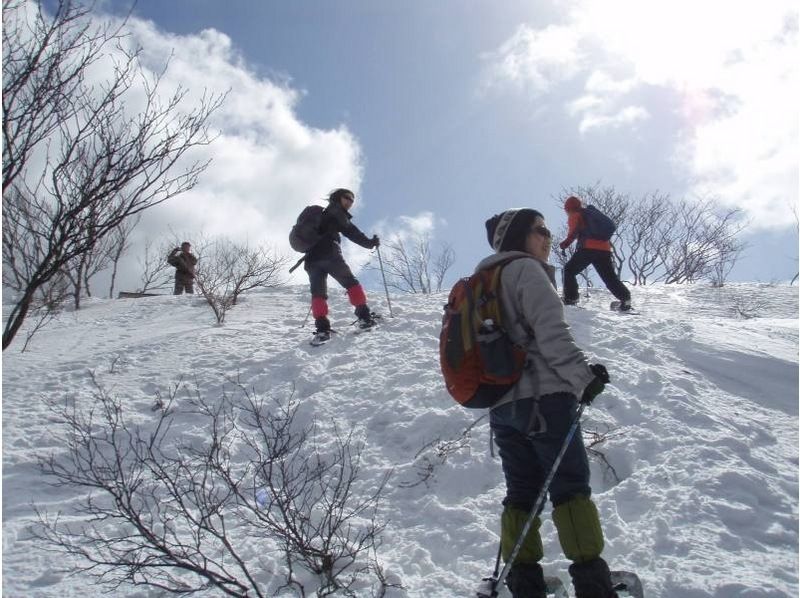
(700, 426)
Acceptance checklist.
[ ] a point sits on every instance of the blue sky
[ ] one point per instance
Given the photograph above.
(441, 114)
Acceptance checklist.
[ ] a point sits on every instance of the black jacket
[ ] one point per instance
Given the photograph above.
(336, 221)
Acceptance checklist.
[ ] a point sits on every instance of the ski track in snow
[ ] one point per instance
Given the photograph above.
(701, 422)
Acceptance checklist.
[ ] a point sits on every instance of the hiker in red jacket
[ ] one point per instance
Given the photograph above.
(595, 252)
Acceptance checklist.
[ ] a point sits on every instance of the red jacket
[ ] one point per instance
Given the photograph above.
(576, 225)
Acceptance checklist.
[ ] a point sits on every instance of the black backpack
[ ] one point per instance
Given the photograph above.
(598, 225)
(305, 233)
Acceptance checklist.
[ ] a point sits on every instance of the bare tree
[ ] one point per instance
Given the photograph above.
(227, 269)
(83, 267)
(75, 163)
(648, 235)
(119, 243)
(156, 273)
(704, 236)
(411, 265)
(181, 515)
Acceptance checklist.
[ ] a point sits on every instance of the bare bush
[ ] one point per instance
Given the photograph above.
(156, 273)
(748, 307)
(186, 515)
(435, 453)
(227, 269)
(412, 266)
(76, 164)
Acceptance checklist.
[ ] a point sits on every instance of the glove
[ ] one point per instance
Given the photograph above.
(597, 385)
(375, 241)
(600, 371)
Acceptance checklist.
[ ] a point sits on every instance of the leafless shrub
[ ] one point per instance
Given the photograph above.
(186, 515)
(594, 438)
(748, 307)
(228, 269)
(76, 164)
(412, 266)
(435, 453)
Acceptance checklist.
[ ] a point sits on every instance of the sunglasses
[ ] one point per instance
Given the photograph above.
(542, 230)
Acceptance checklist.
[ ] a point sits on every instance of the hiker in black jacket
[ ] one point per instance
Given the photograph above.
(326, 258)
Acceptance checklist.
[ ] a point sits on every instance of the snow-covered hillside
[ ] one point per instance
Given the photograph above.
(700, 429)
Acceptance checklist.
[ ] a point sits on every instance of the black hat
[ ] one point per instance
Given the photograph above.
(507, 231)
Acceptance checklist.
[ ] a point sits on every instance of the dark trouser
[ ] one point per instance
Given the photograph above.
(181, 286)
(601, 260)
(527, 453)
(529, 443)
(319, 270)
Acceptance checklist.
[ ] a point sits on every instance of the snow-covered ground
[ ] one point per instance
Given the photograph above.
(700, 426)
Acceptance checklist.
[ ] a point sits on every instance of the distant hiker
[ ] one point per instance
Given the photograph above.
(184, 262)
(594, 248)
(325, 258)
(530, 422)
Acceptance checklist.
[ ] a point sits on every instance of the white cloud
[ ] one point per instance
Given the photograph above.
(535, 59)
(266, 164)
(732, 67)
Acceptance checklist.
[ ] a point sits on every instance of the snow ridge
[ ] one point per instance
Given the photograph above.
(700, 427)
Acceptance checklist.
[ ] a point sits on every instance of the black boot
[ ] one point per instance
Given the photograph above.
(592, 579)
(365, 317)
(323, 324)
(526, 580)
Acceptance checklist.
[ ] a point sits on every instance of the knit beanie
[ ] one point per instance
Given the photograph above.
(507, 231)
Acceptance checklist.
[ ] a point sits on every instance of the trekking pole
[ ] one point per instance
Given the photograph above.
(303, 325)
(385, 287)
(495, 583)
(300, 261)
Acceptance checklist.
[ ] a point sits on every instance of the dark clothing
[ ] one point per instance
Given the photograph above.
(326, 258)
(336, 221)
(180, 287)
(529, 444)
(184, 264)
(601, 260)
(334, 265)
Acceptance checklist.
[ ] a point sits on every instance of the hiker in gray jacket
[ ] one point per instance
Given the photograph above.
(531, 421)
(184, 262)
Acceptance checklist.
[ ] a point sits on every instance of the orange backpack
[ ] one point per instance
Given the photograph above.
(478, 360)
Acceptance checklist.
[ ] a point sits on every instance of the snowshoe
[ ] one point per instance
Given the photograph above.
(623, 307)
(320, 338)
(627, 584)
(555, 588)
(367, 322)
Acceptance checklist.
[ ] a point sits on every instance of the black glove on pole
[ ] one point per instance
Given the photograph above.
(597, 385)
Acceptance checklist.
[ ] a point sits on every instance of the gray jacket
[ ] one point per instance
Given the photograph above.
(534, 319)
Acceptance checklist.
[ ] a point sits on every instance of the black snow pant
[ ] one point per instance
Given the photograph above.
(181, 286)
(601, 260)
(334, 265)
